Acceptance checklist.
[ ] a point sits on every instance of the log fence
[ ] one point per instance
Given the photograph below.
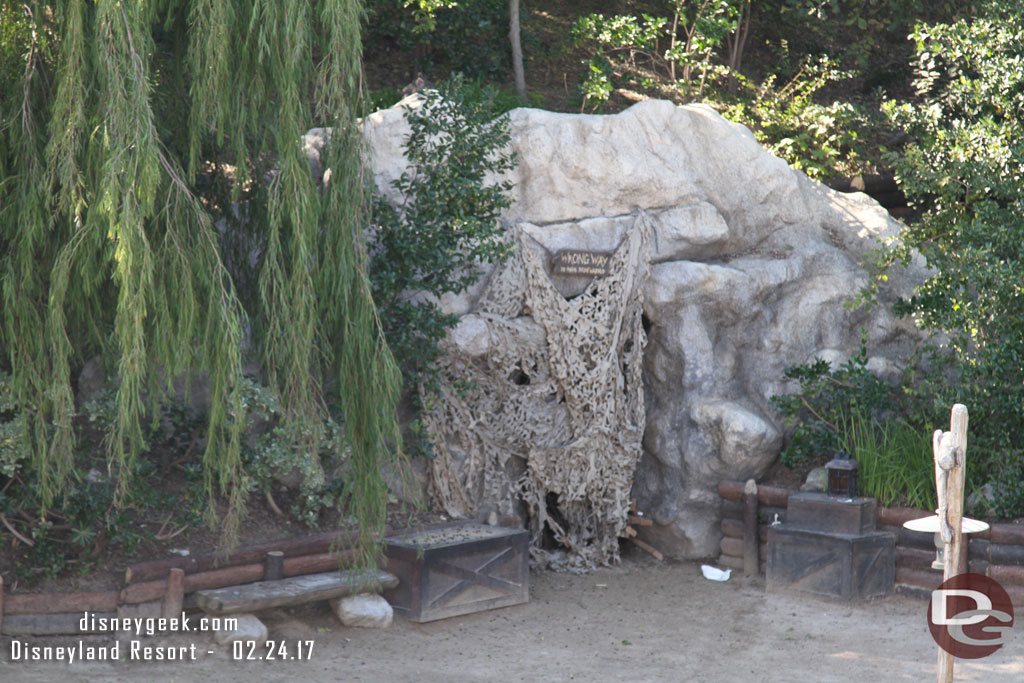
(166, 587)
(997, 552)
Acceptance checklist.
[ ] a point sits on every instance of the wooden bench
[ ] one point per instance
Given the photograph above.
(297, 590)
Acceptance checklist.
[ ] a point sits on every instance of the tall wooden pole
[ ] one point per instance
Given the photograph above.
(950, 451)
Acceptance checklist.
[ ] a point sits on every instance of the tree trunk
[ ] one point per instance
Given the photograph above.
(517, 48)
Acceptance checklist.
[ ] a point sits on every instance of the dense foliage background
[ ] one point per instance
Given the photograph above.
(159, 227)
(927, 92)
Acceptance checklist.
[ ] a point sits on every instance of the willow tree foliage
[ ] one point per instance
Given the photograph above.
(156, 208)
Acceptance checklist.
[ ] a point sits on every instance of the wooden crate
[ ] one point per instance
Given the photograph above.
(821, 512)
(458, 569)
(840, 566)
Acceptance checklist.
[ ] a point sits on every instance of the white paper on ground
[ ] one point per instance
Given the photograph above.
(715, 574)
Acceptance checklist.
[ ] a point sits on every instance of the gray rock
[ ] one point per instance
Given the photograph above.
(248, 628)
(367, 610)
(817, 480)
(407, 480)
(472, 336)
(752, 267)
(313, 143)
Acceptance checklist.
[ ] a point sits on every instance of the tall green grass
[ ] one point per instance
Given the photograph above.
(896, 461)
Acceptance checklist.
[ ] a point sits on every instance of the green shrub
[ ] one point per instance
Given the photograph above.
(272, 452)
(447, 223)
(816, 413)
(13, 453)
(964, 172)
(896, 461)
(644, 50)
(882, 425)
(822, 140)
(470, 36)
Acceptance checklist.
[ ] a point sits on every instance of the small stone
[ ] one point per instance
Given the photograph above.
(471, 336)
(367, 610)
(248, 627)
(817, 480)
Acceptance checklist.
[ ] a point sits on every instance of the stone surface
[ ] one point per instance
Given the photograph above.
(752, 267)
(471, 335)
(366, 610)
(248, 628)
(407, 480)
(817, 480)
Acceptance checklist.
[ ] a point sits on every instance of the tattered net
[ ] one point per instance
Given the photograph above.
(552, 412)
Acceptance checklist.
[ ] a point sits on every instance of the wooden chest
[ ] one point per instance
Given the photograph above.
(821, 512)
(843, 566)
(458, 569)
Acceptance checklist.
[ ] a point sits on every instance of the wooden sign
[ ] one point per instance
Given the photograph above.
(576, 262)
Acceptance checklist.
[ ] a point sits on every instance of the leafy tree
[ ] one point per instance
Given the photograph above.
(822, 140)
(135, 138)
(645, 46)
(468, 36)
(964, 172)
(447, 223)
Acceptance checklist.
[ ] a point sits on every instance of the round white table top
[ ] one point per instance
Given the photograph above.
(931, 525)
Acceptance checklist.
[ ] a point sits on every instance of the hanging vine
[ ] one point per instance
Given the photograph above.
(134, 137)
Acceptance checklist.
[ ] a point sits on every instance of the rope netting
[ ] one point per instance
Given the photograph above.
(549, 409)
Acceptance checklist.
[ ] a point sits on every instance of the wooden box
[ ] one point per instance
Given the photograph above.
(841, 566)
(458, 569)
(821, 512)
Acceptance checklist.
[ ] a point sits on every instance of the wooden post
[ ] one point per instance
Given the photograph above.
(750, 567)
(1, 603)
(961, 565)
(950, 451)
(174, 598)
(273, 566)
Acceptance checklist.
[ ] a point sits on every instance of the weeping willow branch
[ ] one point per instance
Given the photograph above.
(111, 248)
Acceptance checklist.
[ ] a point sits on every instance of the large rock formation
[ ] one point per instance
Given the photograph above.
(751, 265)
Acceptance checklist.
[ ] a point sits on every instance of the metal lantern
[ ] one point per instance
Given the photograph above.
(842, 475)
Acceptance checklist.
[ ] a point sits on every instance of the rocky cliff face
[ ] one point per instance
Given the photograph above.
(751, 265)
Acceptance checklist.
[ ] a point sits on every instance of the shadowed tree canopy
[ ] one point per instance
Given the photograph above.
(156, 208)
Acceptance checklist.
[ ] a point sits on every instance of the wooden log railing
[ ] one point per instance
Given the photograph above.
(997, 552)
(166, 587)
(291, 547)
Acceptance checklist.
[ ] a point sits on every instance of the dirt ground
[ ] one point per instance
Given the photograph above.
(640, 621)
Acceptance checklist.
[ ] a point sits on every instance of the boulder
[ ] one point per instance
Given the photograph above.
(366, 610)
(752, 266)
(248, 627)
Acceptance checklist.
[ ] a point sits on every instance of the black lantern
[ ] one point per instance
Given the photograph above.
(842, 475)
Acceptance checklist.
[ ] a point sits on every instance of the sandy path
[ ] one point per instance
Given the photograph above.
(641, 621)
